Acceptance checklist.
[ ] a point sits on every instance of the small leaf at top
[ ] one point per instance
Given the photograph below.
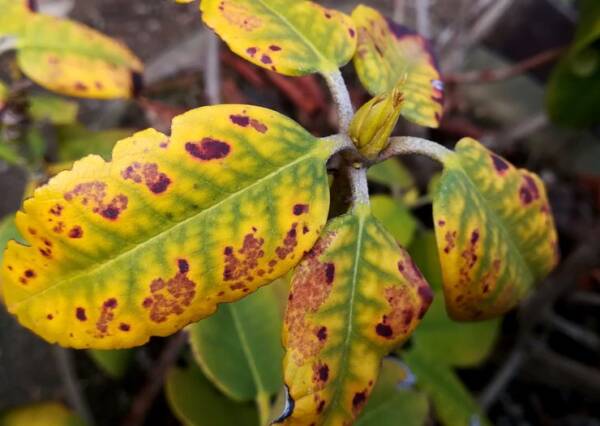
(72, 59)
(389, 55)
(239, 347)
(290, 37)
(172, 226)
(495, 232)
(355, 296)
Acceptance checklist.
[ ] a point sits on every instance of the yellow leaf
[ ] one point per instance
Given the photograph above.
(495, 232)
(288, 36)
(155, 239)
(72, 59)
(391, 56)
(40, 414)
(355, 296)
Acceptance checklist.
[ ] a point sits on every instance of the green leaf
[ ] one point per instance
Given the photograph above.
(395, 217)
(239, 346)
(354, 297)
(288, 36)
(53, 109)
(452, 402)
(390, 56)
(573, 93)
(452, 343)
(9, 154)
(392, 405)
(112, 362)
(76, 141)
(195, 402)
(495, 232)
(391, 173)
(170, 228)
(40, 414)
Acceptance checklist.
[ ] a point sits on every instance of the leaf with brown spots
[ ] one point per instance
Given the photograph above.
(145, 244)
(289, 37)
(72, 59)
(390, 56)
(495, 232)
(355, 296)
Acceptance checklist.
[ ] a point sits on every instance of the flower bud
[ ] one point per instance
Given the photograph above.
(374, 122)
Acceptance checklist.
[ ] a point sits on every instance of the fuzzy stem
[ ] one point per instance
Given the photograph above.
(357, 174)
(212, 74)
(411, 145)
(341, 97)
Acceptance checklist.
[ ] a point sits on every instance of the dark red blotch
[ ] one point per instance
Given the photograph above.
(208, 149)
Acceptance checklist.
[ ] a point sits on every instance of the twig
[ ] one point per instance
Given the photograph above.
(502, 378)
(402, 145)
(574, 331)
(212, 74)
(493, 75)
(399, 12)
(154, 382)
(73, 391)
(423, 21)
(357, 175)
(585, 298)
(341, 98)
(487, 21)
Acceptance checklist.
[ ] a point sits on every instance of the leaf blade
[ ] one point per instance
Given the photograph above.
(507, 239)
(340, 321)
(169, 228)
(288, 37)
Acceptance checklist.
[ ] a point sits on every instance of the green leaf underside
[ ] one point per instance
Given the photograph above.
(392, 405)
(178, 227)
(495, 232)
(196, 402)
(112, 362)
(239, 347)
(452, 402)
(395, 217)
(349, 305)
(289, 37)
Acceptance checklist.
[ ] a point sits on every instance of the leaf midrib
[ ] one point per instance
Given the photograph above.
(349, 317)
(135, 248)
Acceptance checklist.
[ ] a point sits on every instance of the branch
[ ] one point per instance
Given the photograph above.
(493, 75)
(357, 175)
(423, 21)
(403, 145)
(341, 98)
(212, 74)
(71, 384)
(156, 376)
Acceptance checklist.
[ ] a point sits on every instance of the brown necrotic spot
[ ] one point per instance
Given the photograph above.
(351, 32)
(450, 238)
(170, 297)
(251, 51)
(80, 314)
(208, 149)
(183, 265)
(358, 401)
(500, 164)
(80, 86)
(240, 120)
(106, 315)
(148, 173)
(320, 374)
(56, 210)
(76, 232)
(299, 209)
(384, 330)
(93, 194)
(321, 332)
(289, 243)
(240, 266)
(310, 289)
(266, 59)
(30, 273)
(124, 327)
(275, 48)
(329, 272)
(528, 192)
(50, 317)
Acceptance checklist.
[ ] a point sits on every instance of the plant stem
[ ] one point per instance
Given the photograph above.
(357, 175)
(212, 73)
(72, 389)
(264, 408)
(341, 97)
(411, 145)
(340, 142)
